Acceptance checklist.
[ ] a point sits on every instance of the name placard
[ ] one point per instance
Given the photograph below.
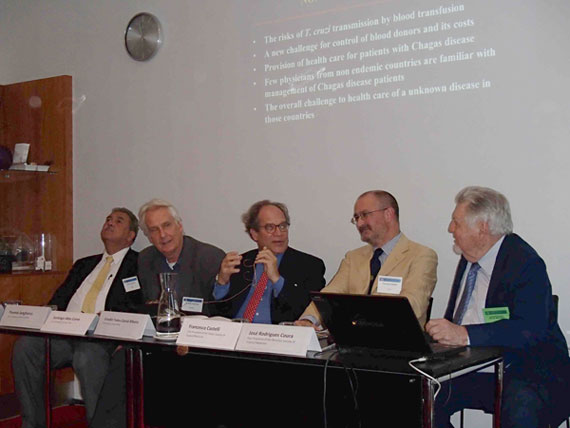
(209, 333)
(125, 325)
(75, 323)
(25, 316)
(278, 339)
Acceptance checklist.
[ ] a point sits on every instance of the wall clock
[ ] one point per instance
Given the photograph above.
(143, 36)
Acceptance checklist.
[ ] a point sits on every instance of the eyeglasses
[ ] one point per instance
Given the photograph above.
(270, 227)
(363, 215)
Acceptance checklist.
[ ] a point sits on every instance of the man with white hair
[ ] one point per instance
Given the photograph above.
(196, 263)
(501, 296)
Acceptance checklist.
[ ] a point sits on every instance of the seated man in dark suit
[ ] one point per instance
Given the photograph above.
(500, 271)
(94, 284)
(270, 284)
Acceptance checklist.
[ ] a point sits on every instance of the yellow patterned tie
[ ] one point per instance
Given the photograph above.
(91, 297)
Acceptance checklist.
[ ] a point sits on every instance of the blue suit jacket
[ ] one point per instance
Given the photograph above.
(302, 272)
(534, 346)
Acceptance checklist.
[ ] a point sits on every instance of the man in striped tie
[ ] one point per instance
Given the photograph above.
(270, 284)
(94, 284)
(501, 296)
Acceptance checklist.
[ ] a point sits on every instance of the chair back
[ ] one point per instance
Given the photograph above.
(555, 301)
(428, 313)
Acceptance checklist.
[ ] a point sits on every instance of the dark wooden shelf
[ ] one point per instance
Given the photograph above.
(35, 202)
(13, 175)
(31, 273)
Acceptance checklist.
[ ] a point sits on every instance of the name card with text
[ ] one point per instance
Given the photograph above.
(389, 284)
(209, 333)
(125, 325)
(278, 339)
(75, 323)
(25, 316)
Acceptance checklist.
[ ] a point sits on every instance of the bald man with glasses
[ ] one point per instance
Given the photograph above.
(388, 253)
(270, 284)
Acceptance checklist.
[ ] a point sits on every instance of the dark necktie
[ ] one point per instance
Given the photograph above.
(375, 265)
(467, 292)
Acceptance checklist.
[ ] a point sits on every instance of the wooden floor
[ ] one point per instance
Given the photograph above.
(10, 408)
(68, 416)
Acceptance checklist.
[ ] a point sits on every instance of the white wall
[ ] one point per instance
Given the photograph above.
(175, 127)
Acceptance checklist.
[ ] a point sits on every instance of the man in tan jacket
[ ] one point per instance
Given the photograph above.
(376, 216)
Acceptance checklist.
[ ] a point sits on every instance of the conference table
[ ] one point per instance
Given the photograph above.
(322, 389)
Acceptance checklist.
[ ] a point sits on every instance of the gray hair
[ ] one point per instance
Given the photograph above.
(133, 222)
(154, 204)
(250, 218)
(489, 206)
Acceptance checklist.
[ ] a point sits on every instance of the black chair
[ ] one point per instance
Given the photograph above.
(558, 415)
(428, 313)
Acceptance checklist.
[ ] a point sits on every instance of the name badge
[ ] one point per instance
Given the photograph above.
(131, 284)
(496, 314)
(389, 284)
(192, 304)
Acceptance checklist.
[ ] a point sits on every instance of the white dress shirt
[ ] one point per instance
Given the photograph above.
(474, 313)
(76, 302)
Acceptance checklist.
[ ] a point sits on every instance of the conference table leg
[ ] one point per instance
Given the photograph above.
(428, 390)
(499, 367)
(47, 384)
(139, 388)
(135, 387)
(129, 352)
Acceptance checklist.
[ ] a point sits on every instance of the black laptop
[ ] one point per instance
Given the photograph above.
(383, 323)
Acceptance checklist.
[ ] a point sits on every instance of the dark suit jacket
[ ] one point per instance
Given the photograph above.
(117, 299)
(302, 273)
(198, 265)
(535, 348)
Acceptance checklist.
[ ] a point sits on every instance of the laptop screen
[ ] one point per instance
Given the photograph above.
(371, 321)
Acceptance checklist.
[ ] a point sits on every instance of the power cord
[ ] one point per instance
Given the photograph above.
(353, 383)
(329, 358)
(423, 360)
(354, 390)
(228, 299)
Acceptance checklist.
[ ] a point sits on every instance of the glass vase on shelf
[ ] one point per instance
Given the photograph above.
(20, 248)
(44, 243)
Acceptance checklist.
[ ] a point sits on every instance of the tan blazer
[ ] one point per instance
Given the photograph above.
(415, 263)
